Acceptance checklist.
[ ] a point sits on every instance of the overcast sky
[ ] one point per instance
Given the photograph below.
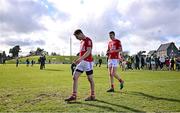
(49, 24)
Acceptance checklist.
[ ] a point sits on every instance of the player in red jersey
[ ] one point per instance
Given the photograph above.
(114, 48)
(84, 63)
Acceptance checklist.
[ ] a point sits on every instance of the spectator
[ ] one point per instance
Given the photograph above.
(167, 63)
(124, 65)
(162, 62)
(132, 62)
(42, 60)
(129, 63)
(157, 62)
(32, 63)
(142, 62)
(137, 62)
(17, 62)
(27, 62)
(100, 62)
(178, 63)
(148, 62)
(172, 64)
(152, 63)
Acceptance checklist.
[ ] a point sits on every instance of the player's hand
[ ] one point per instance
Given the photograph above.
(74, 61)
(113, 51)
(78, 61)
(108, 51)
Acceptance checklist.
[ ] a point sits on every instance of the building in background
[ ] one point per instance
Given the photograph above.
(167, 50)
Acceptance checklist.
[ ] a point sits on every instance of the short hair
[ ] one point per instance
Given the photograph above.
(112, 32)
(77, 32)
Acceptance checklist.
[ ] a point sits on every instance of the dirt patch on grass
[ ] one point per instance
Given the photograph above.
(40, 97)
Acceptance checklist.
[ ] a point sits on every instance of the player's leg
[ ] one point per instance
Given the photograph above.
(92, 86)
(89, 72)
(111, 79)
(117, 76)
(75, 82)
(77, 73)
(41, 65)
(91, 81)
(115, 73)
(75, 86)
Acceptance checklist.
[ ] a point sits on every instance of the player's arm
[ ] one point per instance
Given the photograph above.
(88, 52)
(115, 51)
(76, 57)
(107, 52)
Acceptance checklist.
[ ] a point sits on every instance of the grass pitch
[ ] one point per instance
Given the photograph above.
(28, 89)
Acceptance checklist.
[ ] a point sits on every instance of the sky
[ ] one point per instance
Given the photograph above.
(49, 24)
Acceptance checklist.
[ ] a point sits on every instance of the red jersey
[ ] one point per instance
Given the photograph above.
(85, 43)
(114, 45)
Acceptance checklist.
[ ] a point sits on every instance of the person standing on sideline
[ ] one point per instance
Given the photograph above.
(100, 61)
(17, 62)
(172, 64)
(137, 62)
(27, 62)
(32, 63)
(114, 48)
(84, 63)
(162, 62)
(42, 61)
(142, 62)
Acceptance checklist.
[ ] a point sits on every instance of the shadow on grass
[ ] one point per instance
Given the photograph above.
(155, 98)
(106, 107)
(94, 105)
(53, 70)
(122, 106)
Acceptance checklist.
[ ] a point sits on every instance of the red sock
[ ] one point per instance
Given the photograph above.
(74, 94)
(112, 86)
(120, 80)
(92, 93)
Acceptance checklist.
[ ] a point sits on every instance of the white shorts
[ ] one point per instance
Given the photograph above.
(84, 66)
(113, 62)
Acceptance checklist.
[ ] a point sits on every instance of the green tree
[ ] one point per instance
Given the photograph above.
(39, 51)
(15, 51)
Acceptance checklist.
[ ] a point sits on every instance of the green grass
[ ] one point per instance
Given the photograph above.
(28, 89)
